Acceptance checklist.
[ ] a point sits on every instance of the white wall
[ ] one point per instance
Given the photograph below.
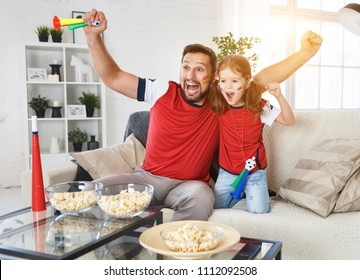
(146, 37)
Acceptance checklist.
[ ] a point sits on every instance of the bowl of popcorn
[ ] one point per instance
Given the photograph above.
(192, 237)
(189, 239)
(125, 200)
(73, 197)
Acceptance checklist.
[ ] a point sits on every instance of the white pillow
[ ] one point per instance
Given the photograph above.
(116, 159)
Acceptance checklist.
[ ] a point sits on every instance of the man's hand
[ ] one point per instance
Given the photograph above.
(311, 42)
(91, 16)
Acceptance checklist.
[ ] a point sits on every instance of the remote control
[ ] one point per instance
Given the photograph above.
(248, 252)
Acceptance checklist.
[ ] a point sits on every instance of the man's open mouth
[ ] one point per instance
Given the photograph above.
(192, 88)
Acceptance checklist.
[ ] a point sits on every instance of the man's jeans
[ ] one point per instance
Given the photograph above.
(256, 191)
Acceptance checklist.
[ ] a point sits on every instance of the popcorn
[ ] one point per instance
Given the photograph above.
(73, 201)
(189, 238)
(125, 203)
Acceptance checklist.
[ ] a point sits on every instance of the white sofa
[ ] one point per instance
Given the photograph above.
(304, 234)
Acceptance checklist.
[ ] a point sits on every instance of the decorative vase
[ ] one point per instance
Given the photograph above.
(56, 112)
(54, 145)
(90, 112)
(40, 113)
(92, 144)
(77, 147)
(55, 70)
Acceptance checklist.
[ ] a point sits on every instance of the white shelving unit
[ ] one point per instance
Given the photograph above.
(66, 91)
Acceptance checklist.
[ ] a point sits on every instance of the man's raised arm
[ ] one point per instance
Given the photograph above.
(105, 66)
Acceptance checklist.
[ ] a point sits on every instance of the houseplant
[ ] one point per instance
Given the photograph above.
(91, 102)
(77, 137)
(43, 32)
(56, 35)
(228, 44)
(39, 105)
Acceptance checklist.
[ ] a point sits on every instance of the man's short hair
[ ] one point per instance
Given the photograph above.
(198, 48)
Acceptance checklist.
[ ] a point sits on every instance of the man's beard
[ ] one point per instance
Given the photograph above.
(194, 100)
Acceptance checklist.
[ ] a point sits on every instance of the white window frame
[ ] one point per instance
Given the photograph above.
(295, 14)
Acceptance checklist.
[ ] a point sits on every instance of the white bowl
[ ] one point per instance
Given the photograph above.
(152, 240)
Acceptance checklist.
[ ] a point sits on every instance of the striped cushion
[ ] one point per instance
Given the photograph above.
(321, 174)
(349, 199)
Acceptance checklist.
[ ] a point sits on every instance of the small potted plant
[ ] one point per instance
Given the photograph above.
(91, 102)
(77, 137)
(56, 35)
(228, 44)
(39, 105)
(43, 32)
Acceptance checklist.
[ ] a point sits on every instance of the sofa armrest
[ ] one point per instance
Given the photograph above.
(64, 173)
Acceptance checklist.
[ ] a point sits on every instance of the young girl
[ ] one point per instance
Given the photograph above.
(243, 113)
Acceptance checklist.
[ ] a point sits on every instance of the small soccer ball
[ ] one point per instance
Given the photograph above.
(95, 23)
(250, 163)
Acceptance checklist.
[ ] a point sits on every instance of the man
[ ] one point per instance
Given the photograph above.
(183, 132)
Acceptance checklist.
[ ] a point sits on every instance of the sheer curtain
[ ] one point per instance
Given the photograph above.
(246, 18)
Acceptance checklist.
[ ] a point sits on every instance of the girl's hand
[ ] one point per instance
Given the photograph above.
(274, 89)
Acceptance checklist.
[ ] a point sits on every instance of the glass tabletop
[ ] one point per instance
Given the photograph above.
(127, 247)
(95, 235)
(51, 235)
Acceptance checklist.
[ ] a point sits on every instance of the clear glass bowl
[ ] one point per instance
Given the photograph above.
(192, 237)
(125, 200)
(73, 197)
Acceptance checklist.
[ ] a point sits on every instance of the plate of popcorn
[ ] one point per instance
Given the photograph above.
(189, 239)
(125, 200)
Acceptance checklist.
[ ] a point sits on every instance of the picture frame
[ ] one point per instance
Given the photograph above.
(78, 34)
(76, 111)
(37, 74)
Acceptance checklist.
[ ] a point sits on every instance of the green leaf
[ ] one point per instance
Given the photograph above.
(229, 45)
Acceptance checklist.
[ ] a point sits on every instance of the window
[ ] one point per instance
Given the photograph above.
(331, 79)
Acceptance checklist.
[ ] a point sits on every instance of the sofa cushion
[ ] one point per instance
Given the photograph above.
(81, 173)
(349, 199)
(285, 145)
(115, 159)
(321, 174)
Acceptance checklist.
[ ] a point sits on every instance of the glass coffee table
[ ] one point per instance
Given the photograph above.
(50, 235)
(95, 235)
(128, 248)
